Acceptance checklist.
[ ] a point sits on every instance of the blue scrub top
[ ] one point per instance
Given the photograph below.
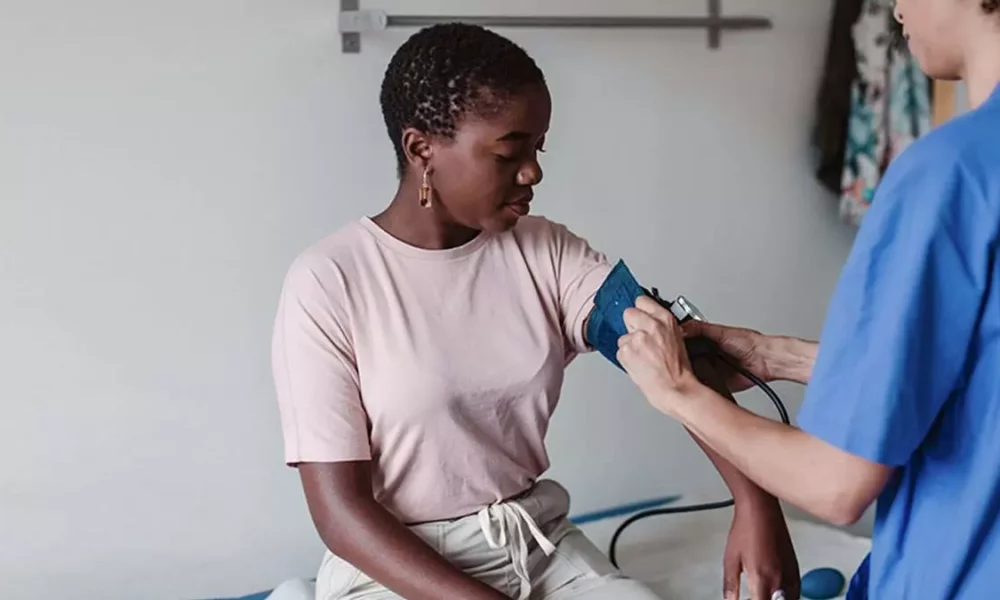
(908, 373)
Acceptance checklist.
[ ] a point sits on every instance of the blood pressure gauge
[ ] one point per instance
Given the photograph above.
(682, 308)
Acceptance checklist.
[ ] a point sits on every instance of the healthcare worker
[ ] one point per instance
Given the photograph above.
(903, 399)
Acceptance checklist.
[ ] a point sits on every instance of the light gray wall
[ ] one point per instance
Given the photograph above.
(162, 162)
(961, 98)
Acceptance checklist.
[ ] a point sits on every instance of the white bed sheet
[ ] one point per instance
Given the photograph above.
(680, 556)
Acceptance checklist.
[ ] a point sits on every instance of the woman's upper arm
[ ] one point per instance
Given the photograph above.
(315, 371)
(581, 271)
(333, 489)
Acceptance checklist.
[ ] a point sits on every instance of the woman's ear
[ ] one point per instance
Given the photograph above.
(417, 147)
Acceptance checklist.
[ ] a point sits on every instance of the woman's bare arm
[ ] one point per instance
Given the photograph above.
(358, 529)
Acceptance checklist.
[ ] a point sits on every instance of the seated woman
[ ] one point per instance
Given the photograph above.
(419, 354)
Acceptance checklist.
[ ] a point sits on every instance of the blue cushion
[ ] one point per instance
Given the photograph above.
(822, 584)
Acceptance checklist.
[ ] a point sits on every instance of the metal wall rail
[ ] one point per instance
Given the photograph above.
(354, 21)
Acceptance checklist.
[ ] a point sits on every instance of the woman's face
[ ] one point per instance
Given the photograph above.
(483, 178)
(936, 31)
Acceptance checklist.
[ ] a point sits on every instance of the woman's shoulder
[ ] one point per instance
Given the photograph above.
(339, 244)
(330, 257)
(543, 230)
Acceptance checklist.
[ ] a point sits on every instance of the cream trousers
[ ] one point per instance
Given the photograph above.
(525, 548)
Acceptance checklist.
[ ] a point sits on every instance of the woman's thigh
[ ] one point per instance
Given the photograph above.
(462, 542)
(615, 589)
(580, 571)
(577, 569)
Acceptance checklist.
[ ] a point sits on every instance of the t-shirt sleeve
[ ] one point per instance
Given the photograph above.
(581, 271)
(896, 340)
(315, 372)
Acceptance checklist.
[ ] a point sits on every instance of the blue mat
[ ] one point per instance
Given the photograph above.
(623, 510)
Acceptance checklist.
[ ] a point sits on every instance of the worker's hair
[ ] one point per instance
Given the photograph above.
(991, 6)
(446, 72)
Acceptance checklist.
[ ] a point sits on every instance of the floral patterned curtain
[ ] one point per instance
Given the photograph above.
(887, 106)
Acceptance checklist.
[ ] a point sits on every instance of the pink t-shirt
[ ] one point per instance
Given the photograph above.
(442, 367)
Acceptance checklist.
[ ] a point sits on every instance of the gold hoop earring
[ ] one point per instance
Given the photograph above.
(425, 190)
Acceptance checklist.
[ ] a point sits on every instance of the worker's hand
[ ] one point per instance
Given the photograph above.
(653, 354)
(745, 346)
(760, 547)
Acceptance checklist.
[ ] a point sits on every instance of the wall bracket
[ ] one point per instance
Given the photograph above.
(354, 21)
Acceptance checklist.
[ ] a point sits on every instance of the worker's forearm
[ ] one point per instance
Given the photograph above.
(374, 541)
(782, 460)
(744, 491)
(790, 359)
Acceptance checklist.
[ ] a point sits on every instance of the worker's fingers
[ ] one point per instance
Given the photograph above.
(637, 319)
(655, 310)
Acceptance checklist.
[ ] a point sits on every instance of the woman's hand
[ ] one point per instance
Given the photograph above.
(760, 546)
(653, 354)
(745, 346)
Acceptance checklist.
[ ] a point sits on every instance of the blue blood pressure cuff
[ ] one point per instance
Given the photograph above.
(606, 324)
(618, 293)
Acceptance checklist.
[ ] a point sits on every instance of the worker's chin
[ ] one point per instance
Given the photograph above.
(937, 63)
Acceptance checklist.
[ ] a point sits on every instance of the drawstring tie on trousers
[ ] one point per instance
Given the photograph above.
(511, 518)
